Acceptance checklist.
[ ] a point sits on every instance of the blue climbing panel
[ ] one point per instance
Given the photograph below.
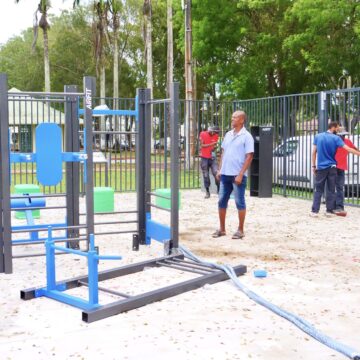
(48, 154)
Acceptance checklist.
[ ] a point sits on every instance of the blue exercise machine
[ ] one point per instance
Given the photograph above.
(48, 158)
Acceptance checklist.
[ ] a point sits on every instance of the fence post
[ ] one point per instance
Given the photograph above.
(5, 213)
(322, 111)
(285, 135)
(143, 161)
(174, 134)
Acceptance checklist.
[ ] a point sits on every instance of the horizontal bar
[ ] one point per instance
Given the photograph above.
(26, 93)
(71, 251)
(35, 196)
(188, 264)
(161, 101)
(158, 207)
(36, 255)
(116, 222)
(160, 196)
(182, 268)
(113, 132)
(35, 100)
(111, 112)
(116, 232)
(45, 227)
(113, 212)
(67, 299)
(43, 208)
(193, 263)
(109, 291)
(42, 240)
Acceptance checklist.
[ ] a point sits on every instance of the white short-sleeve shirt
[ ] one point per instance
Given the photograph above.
(235, 147)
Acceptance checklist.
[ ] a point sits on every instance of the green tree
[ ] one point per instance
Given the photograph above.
(43, 8)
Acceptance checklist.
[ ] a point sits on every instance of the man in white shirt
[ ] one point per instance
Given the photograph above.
(237, 154)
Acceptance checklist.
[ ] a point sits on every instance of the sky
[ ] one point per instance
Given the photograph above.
(15, 18)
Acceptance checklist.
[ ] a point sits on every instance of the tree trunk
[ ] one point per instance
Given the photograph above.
(170, 48)
(46, 61)
(149, 62)
(116, 74)
(189, 116)
(116, 66)
(102, 101)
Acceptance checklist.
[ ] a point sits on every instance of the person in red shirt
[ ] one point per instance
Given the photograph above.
(341, 158)
(208, 141)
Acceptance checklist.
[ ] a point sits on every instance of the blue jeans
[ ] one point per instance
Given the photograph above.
(340, 181)
(227, 186)
(206, 165)
(324, 177)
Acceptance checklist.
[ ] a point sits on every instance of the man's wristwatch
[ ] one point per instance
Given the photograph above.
(314, 166)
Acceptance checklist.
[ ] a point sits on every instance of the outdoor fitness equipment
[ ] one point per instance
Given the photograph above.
(47, 159)
(148, 228)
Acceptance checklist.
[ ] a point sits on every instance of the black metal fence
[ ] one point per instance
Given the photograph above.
(295, 118)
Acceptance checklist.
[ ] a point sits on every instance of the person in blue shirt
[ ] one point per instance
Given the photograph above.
(324, 167)
(237, 154)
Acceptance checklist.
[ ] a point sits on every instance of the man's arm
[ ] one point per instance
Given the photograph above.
(207, 145)
(313, 158)
(350, 150)
(220, 162)
(248, 159)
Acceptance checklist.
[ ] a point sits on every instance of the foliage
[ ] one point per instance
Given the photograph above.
(242, 48)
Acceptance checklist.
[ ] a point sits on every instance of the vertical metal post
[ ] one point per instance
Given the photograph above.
(140, 167)
(93, 277)
(285, 135)
(174, 156)
(322, 111)
(72, 144)
(89, 188)
(5, 214)
(50, 262)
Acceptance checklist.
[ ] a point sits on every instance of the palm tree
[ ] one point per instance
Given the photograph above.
(115, 7)
(170, 47)
(42, 9)
(189, 91)
(147, 12)
(100, 38)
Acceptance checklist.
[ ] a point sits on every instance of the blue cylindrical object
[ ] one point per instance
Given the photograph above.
(28, 203)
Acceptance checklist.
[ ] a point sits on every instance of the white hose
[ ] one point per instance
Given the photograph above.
(296, 320)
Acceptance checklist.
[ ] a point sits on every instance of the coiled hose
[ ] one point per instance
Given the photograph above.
(296, 320)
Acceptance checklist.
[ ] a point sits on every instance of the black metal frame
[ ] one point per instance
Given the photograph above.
(71, 101)
(173, 260)
(133, 302)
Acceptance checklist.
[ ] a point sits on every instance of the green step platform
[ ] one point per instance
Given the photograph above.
(27, 189)
(103, 199)
(165, 203)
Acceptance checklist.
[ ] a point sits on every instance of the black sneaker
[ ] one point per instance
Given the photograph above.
(207, 195)
(330, 214)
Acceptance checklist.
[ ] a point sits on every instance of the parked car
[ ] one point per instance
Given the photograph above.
(293, 159)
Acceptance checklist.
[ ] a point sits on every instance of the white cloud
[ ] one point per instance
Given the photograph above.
(15, 18)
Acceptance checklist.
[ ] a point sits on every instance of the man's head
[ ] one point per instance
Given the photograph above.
(213, 130)
(238, 119)
(341, 131)
(333, 127)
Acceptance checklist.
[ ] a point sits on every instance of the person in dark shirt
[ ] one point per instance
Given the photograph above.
(324, 167)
